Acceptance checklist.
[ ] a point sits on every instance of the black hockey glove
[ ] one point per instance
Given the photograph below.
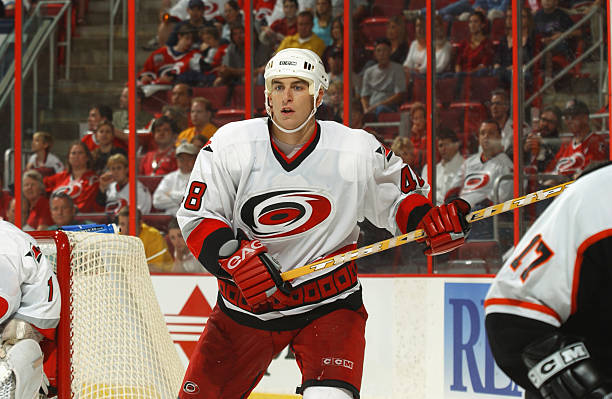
(561, 367)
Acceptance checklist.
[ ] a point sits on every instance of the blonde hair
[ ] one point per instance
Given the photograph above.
(45, 136)
(399, 143)
(117, 158)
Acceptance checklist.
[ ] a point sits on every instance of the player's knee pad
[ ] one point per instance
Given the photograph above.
(16, 330)
(21, 370)
(327, 393)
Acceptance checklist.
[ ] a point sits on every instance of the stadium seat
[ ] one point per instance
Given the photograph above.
(391, 131)
(445, 89)
(216, 95)
(374, 28)
(498, 30)
(387, 8)
(227, 115)
(98, 217)
(459, 31)
(478, 88)
(419, 90)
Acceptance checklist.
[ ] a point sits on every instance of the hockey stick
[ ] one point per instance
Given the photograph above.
(417, 234)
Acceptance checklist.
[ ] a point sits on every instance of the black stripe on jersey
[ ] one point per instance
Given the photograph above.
(290, 164)
(294, 322)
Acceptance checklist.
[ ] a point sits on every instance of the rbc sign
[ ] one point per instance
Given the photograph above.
(469, 368)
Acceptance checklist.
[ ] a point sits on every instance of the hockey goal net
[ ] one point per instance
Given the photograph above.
(112, 338)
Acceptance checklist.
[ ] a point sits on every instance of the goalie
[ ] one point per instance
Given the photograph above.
(29, 313)
(548, 316)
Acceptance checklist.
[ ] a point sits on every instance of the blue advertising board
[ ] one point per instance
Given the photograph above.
(469, 368)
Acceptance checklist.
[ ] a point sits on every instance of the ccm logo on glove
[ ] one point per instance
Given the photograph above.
(245, 251)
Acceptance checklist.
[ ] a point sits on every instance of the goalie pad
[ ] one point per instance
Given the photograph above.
(16, 330)
(21, 370)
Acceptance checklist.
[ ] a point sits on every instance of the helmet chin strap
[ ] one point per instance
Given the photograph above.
(289, 131)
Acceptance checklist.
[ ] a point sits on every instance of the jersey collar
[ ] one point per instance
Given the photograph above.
(291, 163)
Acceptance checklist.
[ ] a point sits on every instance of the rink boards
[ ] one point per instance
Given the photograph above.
(425, 337)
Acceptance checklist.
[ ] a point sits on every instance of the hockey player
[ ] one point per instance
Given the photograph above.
(548, 314)
(268, 195)
(29, 313)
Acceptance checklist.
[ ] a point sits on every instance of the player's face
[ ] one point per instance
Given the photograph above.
(77, 157)
(499, 107)
(62, 212)
(31, 190)
(290, 101)
(93, 119)
(200, 116)
(289, 9)
(489, 139)
(304, 26)
(104, 135)
(163, 135)
(185, 162)
(180, 96)
(447, 149)
(119, 172)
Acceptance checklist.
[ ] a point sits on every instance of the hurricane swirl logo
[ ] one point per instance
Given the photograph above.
(475, 181)
(285, 213)
(73, 189)
(191, 387)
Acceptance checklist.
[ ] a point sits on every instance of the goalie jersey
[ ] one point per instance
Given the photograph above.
(28, 287)
(560, 272)
(302, 209)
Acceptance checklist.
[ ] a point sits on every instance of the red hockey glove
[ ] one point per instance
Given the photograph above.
(445, 226)
(256, 273)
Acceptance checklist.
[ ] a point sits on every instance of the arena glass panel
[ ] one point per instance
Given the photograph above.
(460, 101)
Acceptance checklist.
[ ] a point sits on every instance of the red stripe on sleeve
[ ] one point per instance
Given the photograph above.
(523, 304)
(206, 227)
(405, 211)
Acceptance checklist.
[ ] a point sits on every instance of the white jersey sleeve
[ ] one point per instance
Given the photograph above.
(541, 280)
(28, 287)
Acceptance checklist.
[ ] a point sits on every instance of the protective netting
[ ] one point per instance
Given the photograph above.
(7, 381)
(121, 347)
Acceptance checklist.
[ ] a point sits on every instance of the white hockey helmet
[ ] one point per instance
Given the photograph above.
(299, 63)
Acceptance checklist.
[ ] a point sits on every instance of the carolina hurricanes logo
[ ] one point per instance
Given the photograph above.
(571, 164)
(113, 207)
(286, 213)
(73, 189)
(210, 8)
(191, 387)
(474, 181)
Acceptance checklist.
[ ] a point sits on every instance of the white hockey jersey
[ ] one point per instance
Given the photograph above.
(304, 208)
(541, 280)
(117, 198)
(28, 286)
(477, 179)
(52, 162)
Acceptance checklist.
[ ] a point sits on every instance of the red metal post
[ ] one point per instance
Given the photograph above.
(515, 114)
(248, 63)
(18, 107)
(132, 113)
(346, 66)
